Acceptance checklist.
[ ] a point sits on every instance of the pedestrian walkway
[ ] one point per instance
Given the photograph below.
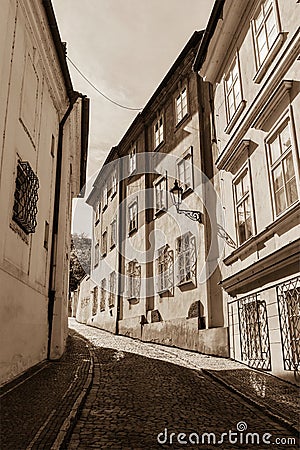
(115, 392)
(38, 407)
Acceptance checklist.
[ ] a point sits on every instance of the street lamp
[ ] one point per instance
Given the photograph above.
(176, 195)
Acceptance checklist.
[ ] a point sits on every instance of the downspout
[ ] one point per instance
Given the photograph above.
(52, 272)
(120, 241)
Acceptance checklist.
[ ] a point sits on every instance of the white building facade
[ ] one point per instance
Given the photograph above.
(44, 126)
(250, 55)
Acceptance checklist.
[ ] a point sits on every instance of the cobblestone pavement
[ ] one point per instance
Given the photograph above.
(36, 407)
(142, 393)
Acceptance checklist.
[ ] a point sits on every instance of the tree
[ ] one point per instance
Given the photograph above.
(80, 259)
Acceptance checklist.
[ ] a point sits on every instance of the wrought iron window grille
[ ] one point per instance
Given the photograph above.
(254, 332)
(288, 297)
(25, 198)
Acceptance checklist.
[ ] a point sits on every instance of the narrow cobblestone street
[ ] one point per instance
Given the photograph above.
(113, 392)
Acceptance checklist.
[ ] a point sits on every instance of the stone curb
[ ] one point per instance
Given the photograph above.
(278, 418)
(70, 421)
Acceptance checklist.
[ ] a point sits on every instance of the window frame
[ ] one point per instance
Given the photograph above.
(261, 66)
(245, 169)
(102, 303)
(24, 211)
(287, 119)
(231, 119)
(113, 242)
(133, 276)
(165, 255)
(132, 159)
(164, 207)
(104, 246)
(112, 289)
(131, 228)
(192, 263)
(188, 155)
(179, 112)
(96, 254)
(113, 184)
(159, 134)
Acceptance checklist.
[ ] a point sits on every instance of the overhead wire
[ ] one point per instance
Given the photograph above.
(98, 90)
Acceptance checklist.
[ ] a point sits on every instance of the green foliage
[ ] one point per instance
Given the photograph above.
(80, 259)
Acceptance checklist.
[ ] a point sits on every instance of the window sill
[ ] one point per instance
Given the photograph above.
(187, 192)
(104, 208)
(181, 121)
(159, 146)
(272, 53)
(132, 232)
(287, 216)
(186, 283)
(133, 300)
(160, 212)
(165, 292)
(112, 246)
(235, 117)
(113, 195)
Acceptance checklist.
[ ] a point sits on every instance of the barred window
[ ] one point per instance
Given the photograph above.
(165, 269)
(95, 301)
(181, 105)
(112, 289)
(159, 131)
(186, 258)
(133, 280)
(103, 295)
(25, 198)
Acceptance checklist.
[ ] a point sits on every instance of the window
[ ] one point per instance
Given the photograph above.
(243, 209)
(104, 197)
(133, 280)
(186, 258)
(96, 255)
(233, 90)
(165, 269)
(113, 184)
(161, 194)
(103, 295)
(113, 233)
(185, 171)
(181, 105)
(159, 131)
(25, 198)
(133, 218)
(282, 169)
(132, 159)
(97, 213)
(112, 289)
(265, 30)
(52, 151)
(46, 235)
(104, 243)
(95, 301)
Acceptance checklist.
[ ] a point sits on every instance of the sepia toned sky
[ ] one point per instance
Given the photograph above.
(124, 47)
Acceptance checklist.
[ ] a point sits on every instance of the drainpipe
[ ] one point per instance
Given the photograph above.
(120, 241)
(52, 274)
